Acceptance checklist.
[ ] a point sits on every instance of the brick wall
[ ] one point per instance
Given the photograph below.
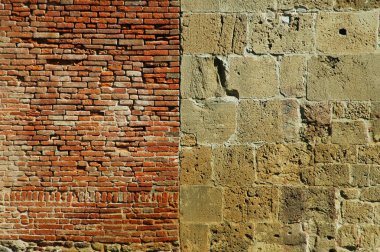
(280, 125)
(89, 123)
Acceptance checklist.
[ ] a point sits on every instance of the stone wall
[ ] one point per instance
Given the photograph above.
(280, 126)
(89, 125)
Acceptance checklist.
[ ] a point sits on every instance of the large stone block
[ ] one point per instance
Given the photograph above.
(200, 79)
(209, 121)
(231, 237)
(369, 237)
(333, 153)
(357, 4)
(320, 204)
(369, 154)
(371, 194)
(347, 32)
(235, 207)
(292, 204)
(262, 203)
(354, 132)
(292, 76)
(283, 33)
(347, 77)
(282, 164)
(195, 165)
(253, 77)
(348, 235)
(308, 4)
(234, 165)
(360, 175)
(214, 33)
(226, 5)
(332, 175)
(194, 237)
(201, 204)
(357, 212)
(271, 121)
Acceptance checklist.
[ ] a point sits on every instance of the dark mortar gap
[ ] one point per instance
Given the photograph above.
(62, 62)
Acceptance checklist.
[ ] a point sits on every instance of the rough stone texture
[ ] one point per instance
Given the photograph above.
(271, 121)
(344, 77)
(284, 33)
(292, 76)
(213, 33)
(252, 77)
(194, 237)
(196, 165)
(342, 33)
(227, 5)
(354, 132)
(307, 4)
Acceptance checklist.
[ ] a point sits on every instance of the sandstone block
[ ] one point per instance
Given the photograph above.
(51, 35)
(316, 113)
(235, 208)
(195, 165)
(231, 237)
(357, 212)
(333, 153)
(347, 32)
(226, 5)
(369, 237)
(234, 165)
(344, 78)
(214, 33)
(354, 132)
(292, 72)
(320, 204)
(374, 175)
(371, 194)
(200, 79)
(209, 121)
(308, 4)
(200, 204)
(253, 77)
(332, 175)
(348, 235)
(281, 34)
(271, 121)
(282, 164)
(369, 154)
(360, 175)
(194, 237)
(292, 204)
(262, 203)
(350, 193)
(357, 4)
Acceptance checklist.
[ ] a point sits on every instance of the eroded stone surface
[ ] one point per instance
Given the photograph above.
(196, 165)
(292, 76)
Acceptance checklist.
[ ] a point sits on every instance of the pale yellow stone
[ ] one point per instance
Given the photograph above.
(332, 175)
(354, 132)
(357, 212)
(292, 72)
(195, 165)
(194, 237)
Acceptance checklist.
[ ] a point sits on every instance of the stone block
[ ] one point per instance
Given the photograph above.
(195, 165)
(360, 175)
(282, 33)
(235, 208)
(334, 153)
(209, 121)
(349, 77)
(306, 4)
(348, 236)
(342, 33)
(282, 164)
(50, 35)
(231, 237)
(292, 204)
(201, 204)
(354, 132)
(194, 237)
(369, 237)
(371, 194)
(262, 203)
(357, 212)
(200, 79)
(292, 76)
(369, 154)
(332, 175)
(357, 4)
(270, 121)
(320, 204)
(316, 113)
(253, 77)
(226, 5)
(214, 33)
(374, 175)
(234, 165)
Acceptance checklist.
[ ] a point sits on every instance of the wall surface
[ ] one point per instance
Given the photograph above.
(89, 125)
(280, 121)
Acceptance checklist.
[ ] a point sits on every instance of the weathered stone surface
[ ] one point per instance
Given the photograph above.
(347, 32)
(332, 175)
(357, 212)
(320, 204)
(315, 134)
(196, 165)
(292, 76)
(226, 5)
(201, 204)
(333, 153)
(262, 203)
(214, 33)
(194, 237)
(253, 77)
(210, 121)
(234, 165)
(281, 164)
(357, 110)
(369, 154)
(348, 236)
(292, 204)
(374, 175)
(200, 80)
(357, 4)
(360, 175)
(316, 113)
(371, 194)
(369, 237)
(344, 77)
(235, 207)
(307, 4)
(350, 193)
(271, 121)
(286, 33)
(231, 237)
(354, 132)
